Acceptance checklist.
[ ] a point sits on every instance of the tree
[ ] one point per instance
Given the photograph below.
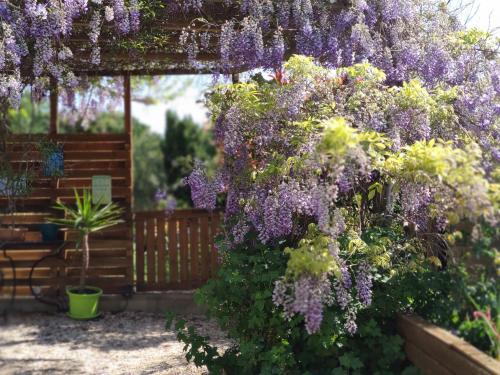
(185, 142)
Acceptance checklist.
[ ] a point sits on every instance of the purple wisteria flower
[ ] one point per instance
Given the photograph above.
(203, 191)
(364, 284)
(308, 298)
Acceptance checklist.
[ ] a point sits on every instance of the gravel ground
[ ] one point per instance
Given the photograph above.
(125, 343)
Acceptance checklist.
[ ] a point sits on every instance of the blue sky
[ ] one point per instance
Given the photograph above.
(485, 14)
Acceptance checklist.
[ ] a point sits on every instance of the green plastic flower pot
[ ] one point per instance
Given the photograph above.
(83, 306)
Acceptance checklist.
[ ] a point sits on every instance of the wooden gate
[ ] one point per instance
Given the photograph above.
(175, 252)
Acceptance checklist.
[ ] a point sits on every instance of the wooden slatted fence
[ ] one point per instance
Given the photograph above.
(85, 155)
(175, 252)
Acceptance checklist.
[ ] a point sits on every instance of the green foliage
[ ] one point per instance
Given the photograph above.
(413, 95)
(363, 74)
(465, 191)
(88, 217)
(338, 138)
(303, 67)
(240, 299)
(312, 256)
(185, 142)
(30, 118)
(264, 342)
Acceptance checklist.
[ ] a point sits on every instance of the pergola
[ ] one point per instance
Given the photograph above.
(154, 50)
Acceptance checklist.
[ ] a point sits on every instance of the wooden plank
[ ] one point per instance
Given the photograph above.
(160, 248)
(172, 252)
(42, 204)
(425, 362)
(24, 290)
(101, 165)
(139, 253)
(151, 252)
(65, 192)
(54, 96)
(94, 146)
(24, 273)
(88, 173)
(449, 350)
(80, 137)
(27, 218)
(194, 233)
(183, 249)
(17, 255)
(71, 156)
(127, 104)
(87, 183)
(181, 213)
(205, 249)
(110, 262)
(97, 272)
(101, 263)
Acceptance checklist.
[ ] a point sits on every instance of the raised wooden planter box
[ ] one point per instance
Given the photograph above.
(438, 352)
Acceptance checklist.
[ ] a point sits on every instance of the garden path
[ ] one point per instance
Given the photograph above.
(124, 343)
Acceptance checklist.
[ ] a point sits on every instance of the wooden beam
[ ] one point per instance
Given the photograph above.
(109, 72)
(54, 98)
(133, 56)
(127, 97)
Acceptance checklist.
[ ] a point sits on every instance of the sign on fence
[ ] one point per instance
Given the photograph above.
(101, 189)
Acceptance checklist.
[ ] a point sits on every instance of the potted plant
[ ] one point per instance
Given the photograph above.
(86, 218)
(52, 158)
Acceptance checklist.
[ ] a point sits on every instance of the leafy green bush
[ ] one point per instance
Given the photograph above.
(335, 223)
(264, 342)
(240, 299)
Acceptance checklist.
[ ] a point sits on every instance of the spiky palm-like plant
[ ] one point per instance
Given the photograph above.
(87, 218)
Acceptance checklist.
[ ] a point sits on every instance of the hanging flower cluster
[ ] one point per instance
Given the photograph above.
(35, 41)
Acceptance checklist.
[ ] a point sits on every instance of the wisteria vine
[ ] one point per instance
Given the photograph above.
(382, 125)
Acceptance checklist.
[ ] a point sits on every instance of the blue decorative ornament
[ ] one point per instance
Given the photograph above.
(54, 164)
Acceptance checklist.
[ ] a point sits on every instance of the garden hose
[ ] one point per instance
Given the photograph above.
(61, 306)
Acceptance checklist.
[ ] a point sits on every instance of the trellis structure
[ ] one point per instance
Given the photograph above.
(155, 48)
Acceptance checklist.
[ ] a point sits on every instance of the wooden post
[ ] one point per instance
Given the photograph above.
(54, 98)
(235, 78)
(127, 98)
(53, 130)
(127, 104)
(127, 101)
